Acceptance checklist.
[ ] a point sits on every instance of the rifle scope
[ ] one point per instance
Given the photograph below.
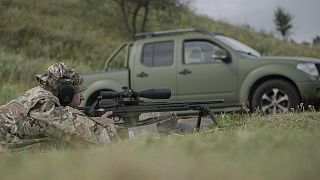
(158, 93)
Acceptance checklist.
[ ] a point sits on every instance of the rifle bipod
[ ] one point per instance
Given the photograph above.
(205, 111)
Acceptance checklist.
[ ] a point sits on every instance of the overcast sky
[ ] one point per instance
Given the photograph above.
(259, 14)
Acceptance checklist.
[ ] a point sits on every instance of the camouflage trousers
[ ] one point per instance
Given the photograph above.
(7, 129)
(11, 138)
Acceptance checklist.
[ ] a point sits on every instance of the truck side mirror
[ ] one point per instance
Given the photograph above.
(219, 54)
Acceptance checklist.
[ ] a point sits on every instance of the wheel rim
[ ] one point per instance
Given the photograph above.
(275, 100)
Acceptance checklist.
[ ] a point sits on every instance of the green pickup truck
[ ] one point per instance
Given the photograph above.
(198, 64)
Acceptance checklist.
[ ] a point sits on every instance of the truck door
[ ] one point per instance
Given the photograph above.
(201, 76)
(154, 66)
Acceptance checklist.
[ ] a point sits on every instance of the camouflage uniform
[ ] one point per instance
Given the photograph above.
(37, 116)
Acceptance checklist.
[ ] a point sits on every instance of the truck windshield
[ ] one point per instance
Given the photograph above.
(238, 46)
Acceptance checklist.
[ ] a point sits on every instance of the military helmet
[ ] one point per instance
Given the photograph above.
(59, 74)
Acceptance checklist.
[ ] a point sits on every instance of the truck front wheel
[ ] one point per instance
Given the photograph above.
(275, 96)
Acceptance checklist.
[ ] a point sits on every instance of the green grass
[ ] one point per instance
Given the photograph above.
(284, 146)
(35, 34)
(9, 92)
(83, 34)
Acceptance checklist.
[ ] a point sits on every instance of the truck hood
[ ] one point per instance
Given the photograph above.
(288, 58)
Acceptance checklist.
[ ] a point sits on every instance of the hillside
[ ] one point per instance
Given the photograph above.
(37, 33)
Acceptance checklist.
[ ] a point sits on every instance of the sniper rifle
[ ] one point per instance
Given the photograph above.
(126, 106)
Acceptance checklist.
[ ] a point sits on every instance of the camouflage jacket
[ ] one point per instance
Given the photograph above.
(37, 115)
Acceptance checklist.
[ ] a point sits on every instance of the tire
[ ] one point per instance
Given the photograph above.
(275, 96)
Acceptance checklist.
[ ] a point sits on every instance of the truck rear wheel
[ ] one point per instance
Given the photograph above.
(275, 96)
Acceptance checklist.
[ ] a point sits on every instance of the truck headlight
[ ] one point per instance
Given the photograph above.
(309, 68)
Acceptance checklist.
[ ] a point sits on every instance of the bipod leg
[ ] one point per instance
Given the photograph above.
(199, 120)
(206, 111)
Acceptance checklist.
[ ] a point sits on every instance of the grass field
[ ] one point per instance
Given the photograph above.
(283, 146)
(37, 33)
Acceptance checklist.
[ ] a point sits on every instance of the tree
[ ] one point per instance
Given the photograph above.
(6, 3)
(283, 22)
(135, 13)
(316, 42)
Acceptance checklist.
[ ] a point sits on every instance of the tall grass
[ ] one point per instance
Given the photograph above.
(9, 92)
(55, 31)
(283, 146)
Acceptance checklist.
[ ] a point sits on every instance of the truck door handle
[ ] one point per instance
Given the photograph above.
(185, 72)
(142, 75)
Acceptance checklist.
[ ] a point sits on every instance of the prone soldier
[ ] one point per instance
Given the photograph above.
(48, 111)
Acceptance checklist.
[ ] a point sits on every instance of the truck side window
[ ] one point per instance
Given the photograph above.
(199, 52)
(158, 54)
